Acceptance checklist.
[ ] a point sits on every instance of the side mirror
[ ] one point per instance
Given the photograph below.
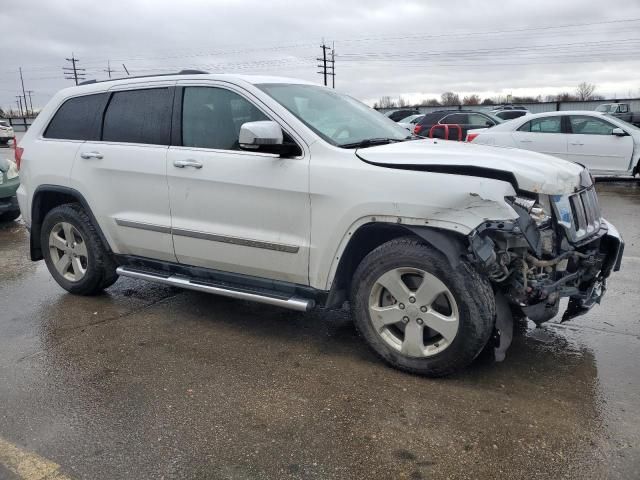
(618, 132)
(489, 124)
(267, 137)
(254, 135)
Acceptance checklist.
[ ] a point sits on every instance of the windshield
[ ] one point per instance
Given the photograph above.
(494, 118)
(337, 118)
(606, 108)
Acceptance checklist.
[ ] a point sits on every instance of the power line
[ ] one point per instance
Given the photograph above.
(73, 72)
(491, 32)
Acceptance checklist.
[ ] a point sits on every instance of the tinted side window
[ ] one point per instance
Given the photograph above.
(138, 116)
(477, 120)
(459, 118)
(212, 117)
(78, 118)
(511, 115)
(543, 125)
(430, 119)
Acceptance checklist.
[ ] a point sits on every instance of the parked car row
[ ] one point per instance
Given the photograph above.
(603, 143)
(604, 140)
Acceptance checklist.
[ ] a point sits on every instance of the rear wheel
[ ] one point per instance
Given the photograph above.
(74, 253)
(418, 312)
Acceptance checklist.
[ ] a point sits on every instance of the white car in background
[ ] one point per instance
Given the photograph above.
(6, 132)
(410, 122)
(604, 144)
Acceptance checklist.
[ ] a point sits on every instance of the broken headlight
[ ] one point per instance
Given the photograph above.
(539, 210)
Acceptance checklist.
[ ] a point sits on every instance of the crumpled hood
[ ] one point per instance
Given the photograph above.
(534, 172)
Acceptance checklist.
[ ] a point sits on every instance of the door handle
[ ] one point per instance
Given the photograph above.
(526, 141)
(187, 163)
(576, 143)
(90, 155)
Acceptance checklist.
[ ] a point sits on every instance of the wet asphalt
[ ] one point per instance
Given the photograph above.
(149, 382)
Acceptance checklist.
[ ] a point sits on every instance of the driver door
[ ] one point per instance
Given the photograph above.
(234, 210)
(593, 144)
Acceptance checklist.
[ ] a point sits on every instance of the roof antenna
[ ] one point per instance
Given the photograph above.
(125, 69)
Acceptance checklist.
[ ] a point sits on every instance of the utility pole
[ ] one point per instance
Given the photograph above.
(19, 103)
(324, 71)
(108, 70)
(29, 92)
(333, 66)
(73, 72)
(24, 95)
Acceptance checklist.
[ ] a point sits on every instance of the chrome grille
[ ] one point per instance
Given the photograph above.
(585, 210)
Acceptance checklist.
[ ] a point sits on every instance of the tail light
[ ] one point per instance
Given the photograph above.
(417, 130)
(471, 136)
(17, 152)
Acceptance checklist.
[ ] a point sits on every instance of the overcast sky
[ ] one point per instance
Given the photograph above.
(414, 48)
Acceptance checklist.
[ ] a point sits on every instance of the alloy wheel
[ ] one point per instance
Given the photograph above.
(68, 251)
(413, 312)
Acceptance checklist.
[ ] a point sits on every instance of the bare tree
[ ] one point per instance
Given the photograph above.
(471, 100)
(402, 102)
(431, 102)
(450, 98)
(585, 91)
(565, 97)
(386, 102)
(487, 101)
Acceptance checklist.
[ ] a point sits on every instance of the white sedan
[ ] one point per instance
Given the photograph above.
(604, 144)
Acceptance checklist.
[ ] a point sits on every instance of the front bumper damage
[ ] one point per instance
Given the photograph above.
(612, 249)
(532, 265)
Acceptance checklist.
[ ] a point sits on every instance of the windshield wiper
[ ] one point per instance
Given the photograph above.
(370, 142)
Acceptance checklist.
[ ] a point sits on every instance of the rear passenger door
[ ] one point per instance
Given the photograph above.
(543, 135)
(123, 174)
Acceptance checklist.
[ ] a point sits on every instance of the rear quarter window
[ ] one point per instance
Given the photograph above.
(78, 118)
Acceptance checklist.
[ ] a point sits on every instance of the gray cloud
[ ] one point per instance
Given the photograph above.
(411, 48)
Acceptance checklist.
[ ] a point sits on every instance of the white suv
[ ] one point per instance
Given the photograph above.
(284, 192)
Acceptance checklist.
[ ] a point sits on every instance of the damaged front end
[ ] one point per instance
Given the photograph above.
(559, 246)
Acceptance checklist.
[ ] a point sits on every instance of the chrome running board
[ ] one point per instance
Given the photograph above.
(293, 303)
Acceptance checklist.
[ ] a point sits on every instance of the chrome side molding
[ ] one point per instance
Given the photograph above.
(292, 303)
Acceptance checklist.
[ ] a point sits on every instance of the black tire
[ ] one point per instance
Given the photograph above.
(471, 291)
(100, 270)
(9, 216)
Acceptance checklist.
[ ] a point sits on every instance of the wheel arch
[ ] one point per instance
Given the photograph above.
(371, 235)
(48, 197)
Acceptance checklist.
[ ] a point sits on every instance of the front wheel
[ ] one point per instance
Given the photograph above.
(418, 312)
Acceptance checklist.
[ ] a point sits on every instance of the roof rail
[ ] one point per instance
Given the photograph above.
(181, 72)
